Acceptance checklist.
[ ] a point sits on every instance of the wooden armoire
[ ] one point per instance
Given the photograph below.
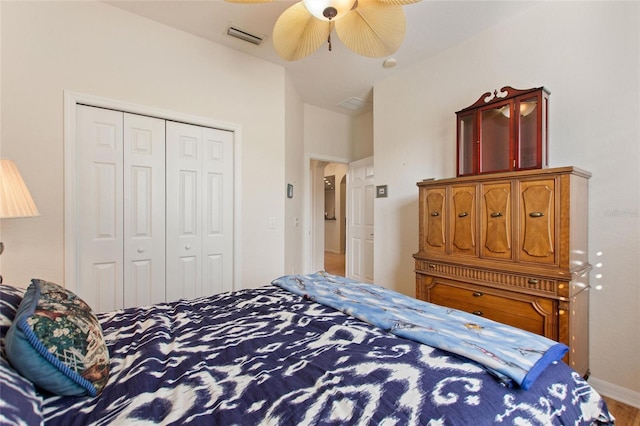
(511, 247)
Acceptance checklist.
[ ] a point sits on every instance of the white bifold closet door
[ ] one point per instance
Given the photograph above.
(155, 209)
(199, 210)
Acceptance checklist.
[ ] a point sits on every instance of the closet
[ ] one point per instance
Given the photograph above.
(154, 209)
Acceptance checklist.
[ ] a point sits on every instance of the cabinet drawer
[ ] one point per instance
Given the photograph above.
(528, 284)
(522, 311)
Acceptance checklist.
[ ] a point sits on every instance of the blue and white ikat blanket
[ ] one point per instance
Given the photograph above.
(267, 356)
(512, 354)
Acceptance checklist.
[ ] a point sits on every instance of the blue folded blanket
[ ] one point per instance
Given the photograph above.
(508, 351)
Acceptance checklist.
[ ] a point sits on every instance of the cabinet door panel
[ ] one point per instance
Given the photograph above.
(496, 222)
(537, 233)
(464, 219)
(433, 211)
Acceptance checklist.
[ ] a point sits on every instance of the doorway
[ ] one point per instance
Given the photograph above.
(357, 198)
(335, 177)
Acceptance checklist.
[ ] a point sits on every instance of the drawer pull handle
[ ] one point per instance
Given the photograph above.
(533, 281)
(463, 214)
(536, 214)
(432, 266)
(435, 214)
(496, 214)
(478, 294)
(479, 313)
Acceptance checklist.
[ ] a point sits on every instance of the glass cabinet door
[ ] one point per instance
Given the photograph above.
(467, 145)
(528, 155)
(495, 139)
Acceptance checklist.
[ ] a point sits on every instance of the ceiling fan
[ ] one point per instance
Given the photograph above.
(372, 28)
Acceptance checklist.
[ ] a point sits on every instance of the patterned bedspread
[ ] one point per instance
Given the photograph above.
(269, 357)
(514, 355)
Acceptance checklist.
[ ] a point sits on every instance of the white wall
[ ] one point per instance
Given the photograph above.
(95, 49)
(362, 136)
(587, 55)
(326, 133)
(294, 175)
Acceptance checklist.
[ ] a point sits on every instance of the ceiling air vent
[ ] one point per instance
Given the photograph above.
(245, 35)
(353, 104)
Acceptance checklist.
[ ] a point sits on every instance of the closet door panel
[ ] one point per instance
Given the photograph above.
(144, 208)
(99, 228)
(184, 207)
(218, 211)
(199, 210)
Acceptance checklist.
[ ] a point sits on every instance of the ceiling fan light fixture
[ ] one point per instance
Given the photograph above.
(329, 10)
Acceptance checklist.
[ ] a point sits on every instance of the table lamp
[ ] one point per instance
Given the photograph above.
(15, 199)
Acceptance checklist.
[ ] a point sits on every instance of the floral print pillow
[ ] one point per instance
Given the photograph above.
(56, 342)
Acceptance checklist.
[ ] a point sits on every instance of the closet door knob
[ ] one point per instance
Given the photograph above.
(188, 247)
(140, 249)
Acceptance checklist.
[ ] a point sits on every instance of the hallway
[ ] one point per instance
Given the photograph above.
(334, 263)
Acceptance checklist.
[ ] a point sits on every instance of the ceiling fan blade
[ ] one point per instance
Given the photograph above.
(396, 2)
(373, 29)
(297, 33)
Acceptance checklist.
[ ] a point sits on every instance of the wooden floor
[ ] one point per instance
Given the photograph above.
(625, 415)
(334, 263)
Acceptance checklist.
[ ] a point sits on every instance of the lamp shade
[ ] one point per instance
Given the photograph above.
(15, 199)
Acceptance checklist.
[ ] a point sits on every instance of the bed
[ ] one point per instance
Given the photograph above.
(274, 355)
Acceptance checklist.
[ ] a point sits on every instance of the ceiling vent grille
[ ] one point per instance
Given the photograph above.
(353, 104)
(245, 35)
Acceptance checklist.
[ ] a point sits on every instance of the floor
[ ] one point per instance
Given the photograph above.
(625, 415)
(334, 263)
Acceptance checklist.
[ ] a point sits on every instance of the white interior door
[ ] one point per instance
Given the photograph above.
(99, 134)
(199, 210)
(361, 193)
(144, 205)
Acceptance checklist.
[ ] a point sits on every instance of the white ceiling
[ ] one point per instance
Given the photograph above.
(326, 79)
